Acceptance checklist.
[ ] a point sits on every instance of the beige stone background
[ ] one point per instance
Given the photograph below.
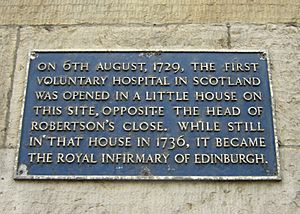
(273, 25)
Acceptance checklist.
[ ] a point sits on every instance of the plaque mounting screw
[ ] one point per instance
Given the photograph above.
(263, 55)
(33, 55)
(146, 172)
(22, 170)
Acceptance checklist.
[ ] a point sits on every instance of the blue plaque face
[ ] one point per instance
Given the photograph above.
(148, 115)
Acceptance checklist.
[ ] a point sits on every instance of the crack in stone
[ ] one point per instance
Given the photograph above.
(9, 93)
(228, 36)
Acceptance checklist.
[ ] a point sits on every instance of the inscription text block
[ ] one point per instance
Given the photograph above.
(147, 115)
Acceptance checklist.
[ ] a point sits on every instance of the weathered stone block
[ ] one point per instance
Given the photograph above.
(36, 12)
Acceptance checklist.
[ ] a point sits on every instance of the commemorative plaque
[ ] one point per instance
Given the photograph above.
(148, 115)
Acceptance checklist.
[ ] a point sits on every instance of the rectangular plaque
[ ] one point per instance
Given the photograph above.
(148, 115)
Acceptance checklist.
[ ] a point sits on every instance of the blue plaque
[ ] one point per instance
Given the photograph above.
(148, 115)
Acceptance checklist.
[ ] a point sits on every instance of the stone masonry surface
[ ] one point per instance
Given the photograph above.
(63, 12)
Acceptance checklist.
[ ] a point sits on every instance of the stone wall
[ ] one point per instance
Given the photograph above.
(185, 24)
